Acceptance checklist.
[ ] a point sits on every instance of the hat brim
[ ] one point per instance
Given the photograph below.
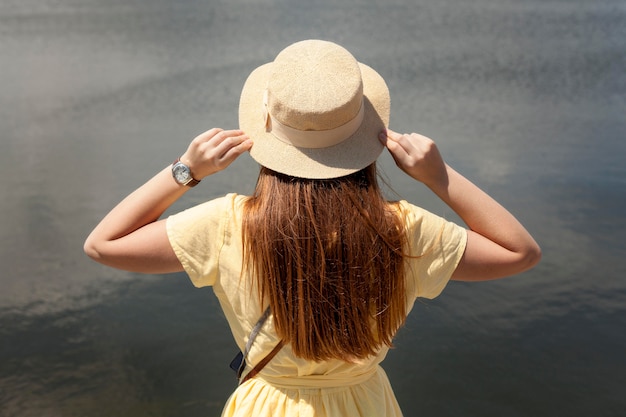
(355, 153)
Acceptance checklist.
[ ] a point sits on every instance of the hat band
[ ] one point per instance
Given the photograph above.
(313, 139)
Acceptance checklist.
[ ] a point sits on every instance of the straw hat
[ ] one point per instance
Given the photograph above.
(315, 112)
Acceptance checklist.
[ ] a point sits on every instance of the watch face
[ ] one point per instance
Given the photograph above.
(181, 173)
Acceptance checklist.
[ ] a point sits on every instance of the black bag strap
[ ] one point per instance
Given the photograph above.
(239, 363)
(253, 334)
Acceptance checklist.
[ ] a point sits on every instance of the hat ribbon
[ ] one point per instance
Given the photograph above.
(312, 139)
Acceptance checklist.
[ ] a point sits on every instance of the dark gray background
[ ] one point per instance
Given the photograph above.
(525, 97)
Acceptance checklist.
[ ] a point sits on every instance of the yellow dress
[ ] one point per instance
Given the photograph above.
(207, 241)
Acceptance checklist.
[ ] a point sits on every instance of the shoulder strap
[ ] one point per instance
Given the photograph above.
(253, 334)
(263, 362)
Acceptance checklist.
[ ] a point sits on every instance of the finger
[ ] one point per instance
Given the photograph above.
(229, 143)
(229, 133)
(395, 136)
(395, 150)
(385, 135)
(238, 149)
(395, 142)
(224, 135)
(235, 151)
(214, 138)
(208, 135)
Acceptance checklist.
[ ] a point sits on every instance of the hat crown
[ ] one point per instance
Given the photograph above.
(314, 85)
(322, 111)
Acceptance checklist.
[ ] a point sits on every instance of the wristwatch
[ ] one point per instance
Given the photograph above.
(182, 174)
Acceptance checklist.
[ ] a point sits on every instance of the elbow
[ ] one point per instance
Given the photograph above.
(90, 248)
(532, 256)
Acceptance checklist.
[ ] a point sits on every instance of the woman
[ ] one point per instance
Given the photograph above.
(336, 266)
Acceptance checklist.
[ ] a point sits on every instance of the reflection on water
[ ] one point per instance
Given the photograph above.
(125, 355)
(527, 98)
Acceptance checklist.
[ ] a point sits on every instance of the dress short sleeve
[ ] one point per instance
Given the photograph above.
(435, 247)
(197, 236)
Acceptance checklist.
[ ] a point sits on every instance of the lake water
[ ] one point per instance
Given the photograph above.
(525, 97)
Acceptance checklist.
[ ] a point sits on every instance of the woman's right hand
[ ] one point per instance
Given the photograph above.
(417, 155)
(131, 237)
(214, 150)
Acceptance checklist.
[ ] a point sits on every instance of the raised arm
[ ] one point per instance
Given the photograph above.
(131, 237)
(498, 245)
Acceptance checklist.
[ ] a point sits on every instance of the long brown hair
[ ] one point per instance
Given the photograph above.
(327, 254)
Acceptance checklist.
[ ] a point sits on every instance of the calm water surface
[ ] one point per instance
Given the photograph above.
(526, 97)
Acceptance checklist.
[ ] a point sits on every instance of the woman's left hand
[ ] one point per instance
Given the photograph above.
(213, 150)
